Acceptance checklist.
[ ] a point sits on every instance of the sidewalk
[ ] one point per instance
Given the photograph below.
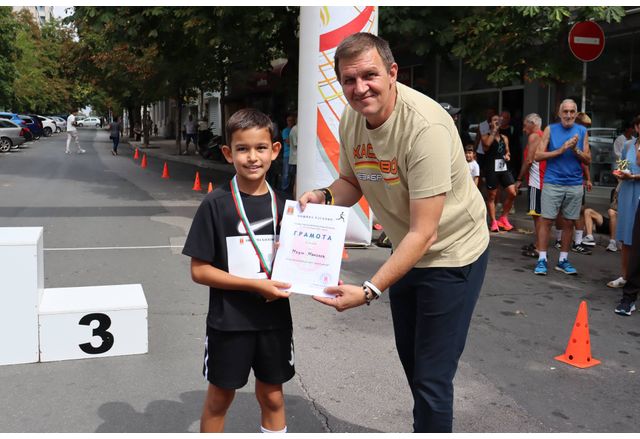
(165, 149)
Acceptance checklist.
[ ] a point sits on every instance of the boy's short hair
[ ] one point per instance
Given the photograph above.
(245, 119)
(468, 148)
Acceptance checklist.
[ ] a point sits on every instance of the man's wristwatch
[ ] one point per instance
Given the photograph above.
(371, 292)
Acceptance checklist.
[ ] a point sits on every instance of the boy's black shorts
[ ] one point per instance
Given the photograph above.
(229, 356)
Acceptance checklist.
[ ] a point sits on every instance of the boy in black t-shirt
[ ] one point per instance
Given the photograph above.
(231, 244)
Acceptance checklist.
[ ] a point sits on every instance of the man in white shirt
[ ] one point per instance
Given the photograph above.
(618, 144)
(72, 133)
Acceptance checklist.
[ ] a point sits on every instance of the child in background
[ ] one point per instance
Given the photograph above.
(474, 168)
(231, 244)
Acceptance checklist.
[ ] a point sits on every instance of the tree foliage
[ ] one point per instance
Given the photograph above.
(8, 53)
(507, 44)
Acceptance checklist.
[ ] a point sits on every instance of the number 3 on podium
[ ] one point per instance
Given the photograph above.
(104, 322)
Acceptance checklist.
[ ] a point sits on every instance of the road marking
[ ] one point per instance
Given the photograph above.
(142, 247)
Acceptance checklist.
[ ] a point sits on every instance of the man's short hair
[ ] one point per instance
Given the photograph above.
(359, 43)
(535, 119)
(245, 119)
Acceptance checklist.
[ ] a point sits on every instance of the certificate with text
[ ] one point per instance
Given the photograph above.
(311, 244)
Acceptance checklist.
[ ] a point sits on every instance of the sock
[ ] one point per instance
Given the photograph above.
(612, 241)
(577, 236)
(542, 256)
(563, 256)
(264, 430)
(558, 235)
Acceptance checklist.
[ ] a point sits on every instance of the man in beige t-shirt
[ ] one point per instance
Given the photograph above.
(401, 150)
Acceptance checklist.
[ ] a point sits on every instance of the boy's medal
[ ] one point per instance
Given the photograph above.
(237, 199)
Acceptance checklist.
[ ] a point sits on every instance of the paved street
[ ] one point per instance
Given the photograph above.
(107, 221)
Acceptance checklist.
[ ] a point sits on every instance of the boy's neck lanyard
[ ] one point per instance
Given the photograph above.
(237, 199)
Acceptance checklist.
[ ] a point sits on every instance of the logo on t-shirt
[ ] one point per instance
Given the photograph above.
(369, 168)
(254, 226)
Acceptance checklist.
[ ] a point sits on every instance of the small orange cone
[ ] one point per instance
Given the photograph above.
(196, 183)
(143, 164)
(136, 155)
(345, 255)
(578, 351)
(165, 171)
(210, 188)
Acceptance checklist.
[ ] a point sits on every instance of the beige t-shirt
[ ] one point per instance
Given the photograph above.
(416, 153)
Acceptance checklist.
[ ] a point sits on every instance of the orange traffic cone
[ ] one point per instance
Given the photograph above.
(345, 255)
(196, 183)
(578, 351)
(136, 155)
(143, 164)
(210, 188)
(165, 171)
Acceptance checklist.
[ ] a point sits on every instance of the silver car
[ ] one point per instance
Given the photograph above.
(10, 135)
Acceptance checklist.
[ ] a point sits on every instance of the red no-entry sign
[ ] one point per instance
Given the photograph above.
(586, 40)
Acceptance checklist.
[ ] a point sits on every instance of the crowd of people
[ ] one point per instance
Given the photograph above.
(555, 167)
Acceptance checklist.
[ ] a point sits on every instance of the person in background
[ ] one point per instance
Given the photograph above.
(72, 133)
(115, 131)
(469, 154)
(497, 155)
(628, 196)
(291, 121)
(565, 146)
(190, 130)
(534, 172)
(627, 134)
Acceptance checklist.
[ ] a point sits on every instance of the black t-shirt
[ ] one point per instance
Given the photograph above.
(215, 221)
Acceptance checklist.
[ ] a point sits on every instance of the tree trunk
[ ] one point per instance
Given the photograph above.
(145, 126)
(131, 121)
(179, 123)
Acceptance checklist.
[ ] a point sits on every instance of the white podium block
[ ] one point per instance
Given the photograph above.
(88, 322)
(21, 287)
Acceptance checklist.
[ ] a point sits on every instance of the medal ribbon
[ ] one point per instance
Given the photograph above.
(237, 199)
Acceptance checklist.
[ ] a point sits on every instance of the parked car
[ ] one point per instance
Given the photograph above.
(11, 135)
(34, 127)
(13, 117)
(49, 125)
(61, 124)
(602, 157)
(89, 122)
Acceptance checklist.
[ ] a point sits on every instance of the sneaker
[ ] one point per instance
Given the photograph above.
(566, 267)
(541, 267)
(67, 152)
(113, 152)
(81, 151)
(618, 283)
(612, 247)
(494, 226)
(558, 244)
(589, 241)
(579, 248)
(625, 308)
(503, 223)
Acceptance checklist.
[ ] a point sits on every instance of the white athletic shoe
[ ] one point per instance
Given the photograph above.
(612, 247)
(81, 151)
(618, 283)
(589, 241)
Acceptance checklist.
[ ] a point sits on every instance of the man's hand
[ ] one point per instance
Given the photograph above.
(518, 183)
(271, 289)
(315, 197)
(589, 185)
(346, 296)
(507, 157)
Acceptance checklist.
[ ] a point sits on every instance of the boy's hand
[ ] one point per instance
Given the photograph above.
(272, 289)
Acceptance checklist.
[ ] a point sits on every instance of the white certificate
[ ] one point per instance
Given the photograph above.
(242, 258)
(311, 244)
